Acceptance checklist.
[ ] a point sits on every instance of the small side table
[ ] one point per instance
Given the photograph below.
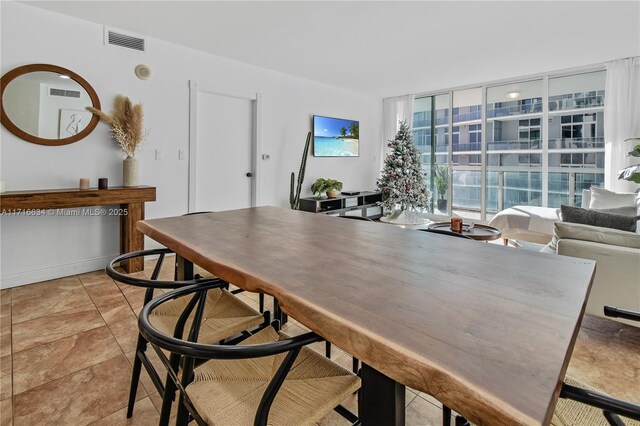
(478, 232)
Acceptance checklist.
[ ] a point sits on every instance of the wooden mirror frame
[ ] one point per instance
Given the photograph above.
(26, 69)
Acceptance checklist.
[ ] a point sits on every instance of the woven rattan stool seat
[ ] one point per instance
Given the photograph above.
(224, 316)
(228, 392)
(572, 413)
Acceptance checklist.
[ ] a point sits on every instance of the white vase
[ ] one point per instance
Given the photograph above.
(130, 171)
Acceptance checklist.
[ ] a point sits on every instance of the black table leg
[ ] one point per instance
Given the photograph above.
(381, 399)
(278, 314)
(184, 269)
(446, 415)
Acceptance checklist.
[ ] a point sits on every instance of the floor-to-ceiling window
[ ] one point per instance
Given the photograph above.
(431, 136)
(466, 152)
(534, 142)
(514, 145)
(576, 136)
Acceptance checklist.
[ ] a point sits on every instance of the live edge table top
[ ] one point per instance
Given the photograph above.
(487, 330)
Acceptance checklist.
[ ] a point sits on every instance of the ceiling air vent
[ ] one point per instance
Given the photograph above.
(127, 41)
(63, 92)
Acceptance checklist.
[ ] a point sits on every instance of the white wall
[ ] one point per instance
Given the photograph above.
(39, 248)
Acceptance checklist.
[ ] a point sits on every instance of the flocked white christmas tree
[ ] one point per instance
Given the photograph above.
(403, 182)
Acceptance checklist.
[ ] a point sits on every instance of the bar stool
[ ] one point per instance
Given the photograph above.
(270, 378)
(580, 403)
(224, 315)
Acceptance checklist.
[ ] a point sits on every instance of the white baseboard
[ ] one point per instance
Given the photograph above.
(53, 272)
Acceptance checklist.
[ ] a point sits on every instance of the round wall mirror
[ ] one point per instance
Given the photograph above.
(45, 104)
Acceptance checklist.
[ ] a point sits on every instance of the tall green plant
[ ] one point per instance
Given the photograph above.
(441, 180)
(631, 173)
(294, 197)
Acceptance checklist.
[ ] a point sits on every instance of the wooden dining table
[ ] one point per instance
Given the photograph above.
(487, 330)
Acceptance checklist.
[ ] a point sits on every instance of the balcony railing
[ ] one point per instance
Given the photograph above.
(467, 116)
(512, 145)
(576, 101)
(508, 188)
(465, 147)
(576, 143)
(560, 143)
(423, 119)
(508, 110)
(421, 123)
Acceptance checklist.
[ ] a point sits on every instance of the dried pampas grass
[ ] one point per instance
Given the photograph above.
(125, 140)
(126, 124)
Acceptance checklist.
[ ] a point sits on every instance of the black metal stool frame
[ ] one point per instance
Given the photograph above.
(192, 351)
(150, 285)
(611, 407)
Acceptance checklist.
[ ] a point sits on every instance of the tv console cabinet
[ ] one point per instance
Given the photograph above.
(363, 204)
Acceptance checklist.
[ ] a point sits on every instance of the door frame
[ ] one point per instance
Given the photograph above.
(256, 139)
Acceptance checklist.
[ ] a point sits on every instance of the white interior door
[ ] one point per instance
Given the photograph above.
(223, 163)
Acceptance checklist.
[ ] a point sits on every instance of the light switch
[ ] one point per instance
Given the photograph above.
(158, 154)
(181, 154)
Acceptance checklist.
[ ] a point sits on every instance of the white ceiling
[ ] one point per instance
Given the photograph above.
(385, 48)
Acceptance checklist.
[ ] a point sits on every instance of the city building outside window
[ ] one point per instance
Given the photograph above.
(521, 147)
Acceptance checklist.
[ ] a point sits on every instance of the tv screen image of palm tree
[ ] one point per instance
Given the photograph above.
(335, 137)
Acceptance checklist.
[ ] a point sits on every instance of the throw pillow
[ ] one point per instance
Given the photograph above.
(604, 199)
(586, 198)
(598, 218)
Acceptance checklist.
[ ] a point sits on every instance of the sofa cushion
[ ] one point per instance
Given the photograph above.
(596, 234)
(623, 211)
(604, 199)
(600, 218)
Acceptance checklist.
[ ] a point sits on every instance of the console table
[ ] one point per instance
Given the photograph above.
(130, 199)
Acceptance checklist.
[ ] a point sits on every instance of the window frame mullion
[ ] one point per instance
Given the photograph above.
(545, 141)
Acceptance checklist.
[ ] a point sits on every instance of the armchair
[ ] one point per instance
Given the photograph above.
(617, 256)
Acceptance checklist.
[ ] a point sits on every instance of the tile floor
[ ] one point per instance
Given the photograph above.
(66, 348)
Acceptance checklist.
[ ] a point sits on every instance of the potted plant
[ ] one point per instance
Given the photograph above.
(441, 180)
(128, 132)
(631, 173)
(330, 186)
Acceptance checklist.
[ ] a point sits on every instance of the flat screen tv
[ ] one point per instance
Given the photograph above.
(335, 137)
